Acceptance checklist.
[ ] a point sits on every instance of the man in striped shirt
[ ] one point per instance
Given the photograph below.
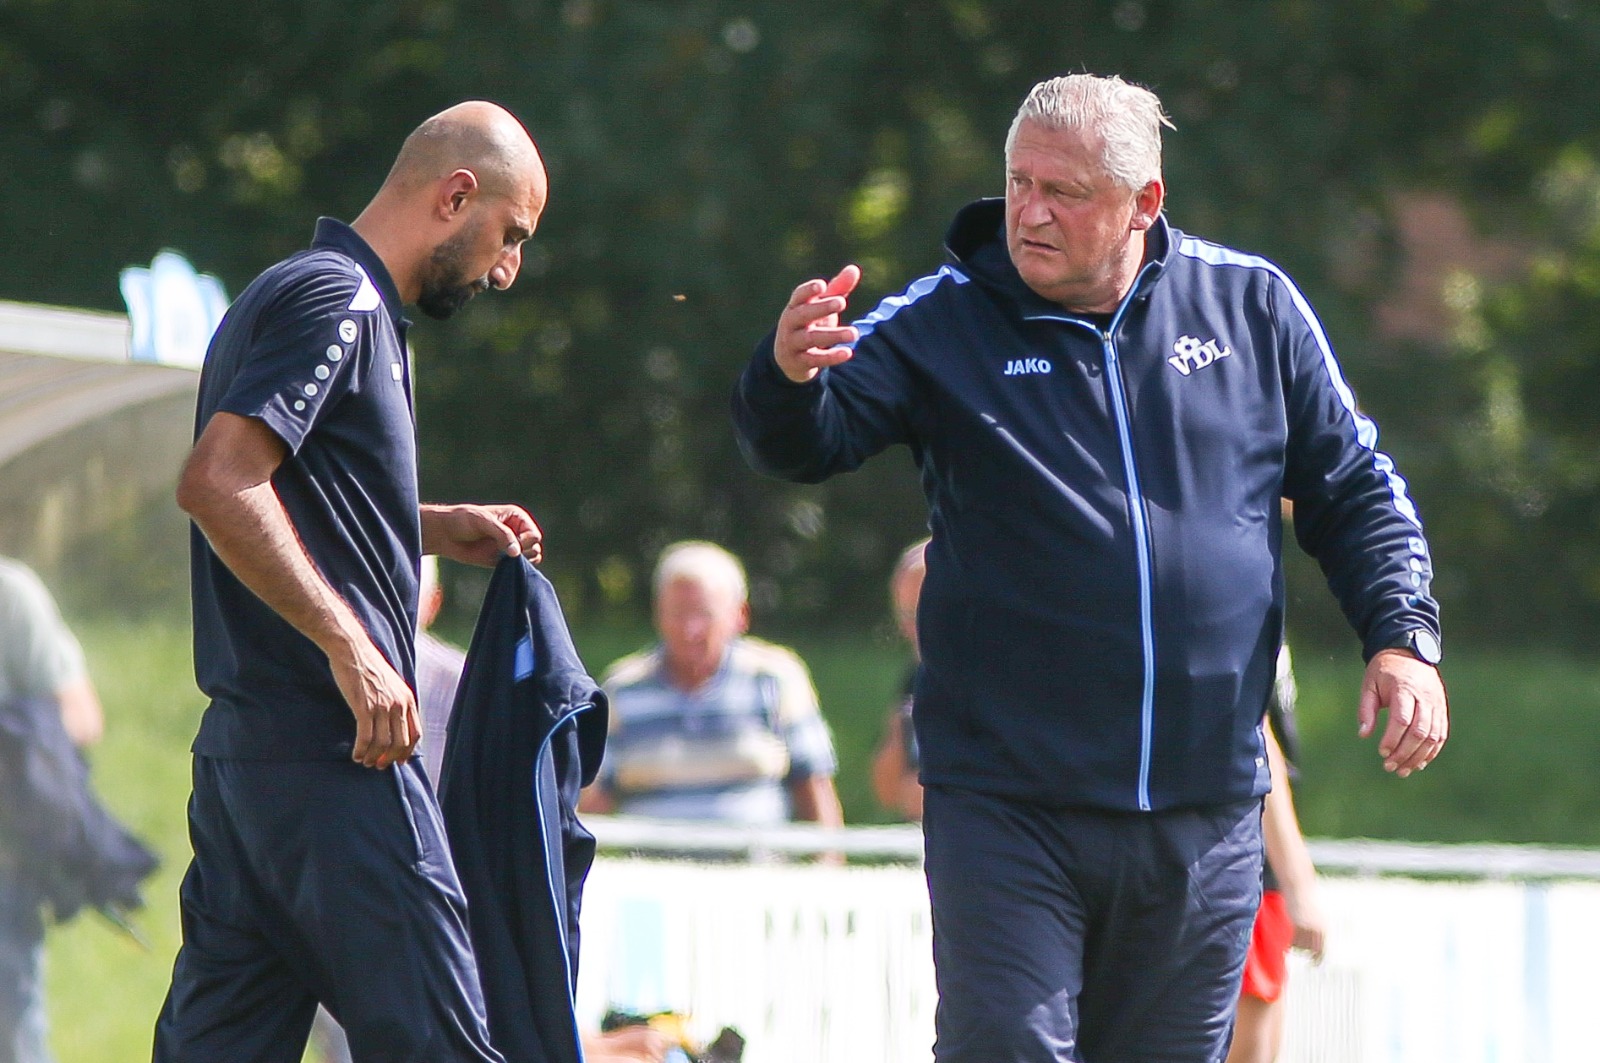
(710, 723)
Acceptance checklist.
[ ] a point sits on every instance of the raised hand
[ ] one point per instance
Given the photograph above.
(810, 337)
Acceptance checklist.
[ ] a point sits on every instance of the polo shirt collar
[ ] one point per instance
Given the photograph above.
(664, 677)
(337, 236)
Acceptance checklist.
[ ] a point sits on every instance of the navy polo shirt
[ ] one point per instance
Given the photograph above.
(315, 349)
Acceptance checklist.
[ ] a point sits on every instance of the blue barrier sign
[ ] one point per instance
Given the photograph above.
(172, 309)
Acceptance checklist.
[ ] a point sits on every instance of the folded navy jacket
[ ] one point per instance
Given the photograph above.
(527, 733)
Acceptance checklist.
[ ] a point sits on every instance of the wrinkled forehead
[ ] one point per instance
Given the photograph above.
(1075, 142)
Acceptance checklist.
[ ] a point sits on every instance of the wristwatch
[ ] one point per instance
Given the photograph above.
(1423, 644)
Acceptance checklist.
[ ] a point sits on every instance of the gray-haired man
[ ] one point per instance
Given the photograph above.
(1106, 412)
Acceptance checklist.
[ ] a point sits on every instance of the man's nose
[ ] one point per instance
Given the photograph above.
(505, 271)
(1033, 212)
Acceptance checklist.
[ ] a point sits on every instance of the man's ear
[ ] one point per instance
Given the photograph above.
(1147, 204)
(744, 617)
(455, 191)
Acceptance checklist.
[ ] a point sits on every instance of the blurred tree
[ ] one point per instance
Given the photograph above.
(1526, 431)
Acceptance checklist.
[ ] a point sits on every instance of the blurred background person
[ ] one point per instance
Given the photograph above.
(40, 656)
(439, 666)
(626, 1044)
(1290, 915)
(711, 723)
(896, 762)
(39, 659)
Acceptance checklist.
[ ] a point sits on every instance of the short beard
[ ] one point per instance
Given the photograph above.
(443, 289)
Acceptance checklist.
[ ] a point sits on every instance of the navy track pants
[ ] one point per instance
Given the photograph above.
(1084, 935)
(320, 881)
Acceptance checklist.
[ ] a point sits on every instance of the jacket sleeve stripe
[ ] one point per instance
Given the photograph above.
(1365, 430)
(896, 303)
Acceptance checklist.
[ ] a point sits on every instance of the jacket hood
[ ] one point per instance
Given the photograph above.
(976, 240)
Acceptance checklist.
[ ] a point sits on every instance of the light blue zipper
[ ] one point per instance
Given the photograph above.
(550, 860)
(1137, 517)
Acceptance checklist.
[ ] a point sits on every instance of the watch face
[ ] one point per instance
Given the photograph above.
(1426, 646)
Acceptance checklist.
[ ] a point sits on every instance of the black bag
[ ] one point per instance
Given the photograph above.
(57, 837)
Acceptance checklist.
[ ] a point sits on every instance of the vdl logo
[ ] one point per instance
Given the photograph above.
(1024, 366)
(1189, 354)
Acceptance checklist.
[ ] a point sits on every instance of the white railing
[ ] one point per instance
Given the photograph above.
(58, 332)
(1488, 958)
(904, 842)
(809, 963)
(645, 836)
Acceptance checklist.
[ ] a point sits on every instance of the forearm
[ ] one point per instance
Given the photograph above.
(1353, 511)
(252, 534)
(894, 783)
(480, 534)
(815, 801)
(910, 797)
(1285, 846)
(226, 487)
(777, 421)
(433, 517)
(81, 713)
(1377, 563)
(888, 769)
(889, 762)
(1286, 849)
(808, 432)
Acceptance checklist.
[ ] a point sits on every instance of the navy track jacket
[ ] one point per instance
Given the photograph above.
(528, 731)
(1104, 597)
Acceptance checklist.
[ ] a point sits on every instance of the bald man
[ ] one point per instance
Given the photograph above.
(320, 870)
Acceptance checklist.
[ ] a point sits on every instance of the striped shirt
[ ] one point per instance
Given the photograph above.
(726, 751)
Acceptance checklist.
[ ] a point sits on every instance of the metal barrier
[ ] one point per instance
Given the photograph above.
(1487, 958)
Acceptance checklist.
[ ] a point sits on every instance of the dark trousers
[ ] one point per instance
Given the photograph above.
(320, 881)
(1089, 936)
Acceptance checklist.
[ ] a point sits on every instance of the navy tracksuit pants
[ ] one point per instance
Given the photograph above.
(1089, 936)
(320, 881)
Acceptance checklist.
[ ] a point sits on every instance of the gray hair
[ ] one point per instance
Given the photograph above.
(704, 563)
(1128, 117)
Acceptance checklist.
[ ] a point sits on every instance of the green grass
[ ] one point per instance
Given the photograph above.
(1519, 768)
